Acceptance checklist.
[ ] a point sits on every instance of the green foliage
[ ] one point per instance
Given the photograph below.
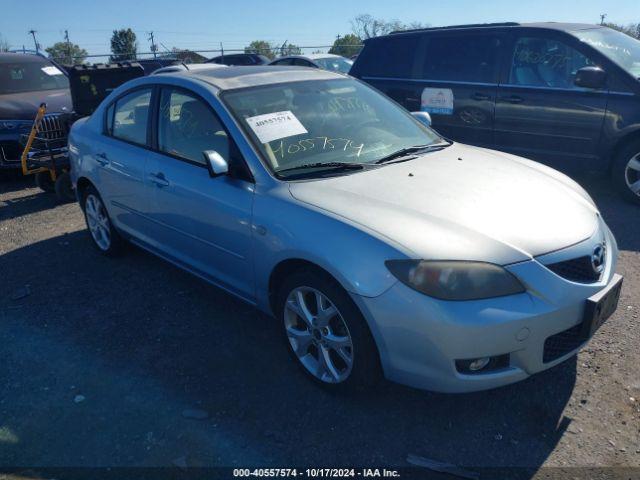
(4, 44)
(366, 26)
(261, 47)
(633, 29)
(288, 49)
(124, 45)
(347, 46)
(67, 53)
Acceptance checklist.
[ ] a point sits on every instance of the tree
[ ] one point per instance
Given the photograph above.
(366, 26)
(261, 47)
(4, 44)
(633, 29)
(67, 53)
(347, 46)
(288, 49)
(124, 45)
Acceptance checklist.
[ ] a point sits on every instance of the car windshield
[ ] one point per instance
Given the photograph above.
(17, 77)
(309, 123)
(334, 64)
(619, 47)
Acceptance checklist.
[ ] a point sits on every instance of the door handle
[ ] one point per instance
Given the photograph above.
(480, 96)
(101, 158)
(512, 99)
(159, 179)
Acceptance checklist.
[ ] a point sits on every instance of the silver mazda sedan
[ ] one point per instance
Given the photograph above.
(381, 248)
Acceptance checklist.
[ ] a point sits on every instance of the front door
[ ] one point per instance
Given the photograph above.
(540, 112)
(201, 222)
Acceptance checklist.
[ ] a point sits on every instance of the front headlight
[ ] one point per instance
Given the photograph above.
(455, 280)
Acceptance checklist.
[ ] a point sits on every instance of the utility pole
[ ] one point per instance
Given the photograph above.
(221, 50)
(66, 38)
(33, 34)
(602, 17)
(153, 44)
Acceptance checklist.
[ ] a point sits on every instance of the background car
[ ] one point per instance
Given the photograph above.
(381, 247)
(188, 67)
(241, 59)
(326, 61)
(564, 94)
(26, 81)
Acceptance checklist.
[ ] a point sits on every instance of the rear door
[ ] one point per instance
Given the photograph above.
(540, 112)
(121, 153)
(453, 76)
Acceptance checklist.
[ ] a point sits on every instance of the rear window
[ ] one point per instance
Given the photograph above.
(391, 57)
(463, 58)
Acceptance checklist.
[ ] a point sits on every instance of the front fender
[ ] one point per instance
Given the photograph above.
(286, 229)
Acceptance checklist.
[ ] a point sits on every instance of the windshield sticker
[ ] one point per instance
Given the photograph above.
(51, 70)
(437, 100)
(274, 126)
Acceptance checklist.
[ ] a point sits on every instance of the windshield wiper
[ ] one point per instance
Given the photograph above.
(334, 166)
(406, 152)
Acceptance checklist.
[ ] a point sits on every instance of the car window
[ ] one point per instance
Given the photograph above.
(187, 127)
(391, 57)
(131, 115)
(545, 62)
(301, 62)
(463, 58)
(335, 64)
(283, 62)
(16, 77)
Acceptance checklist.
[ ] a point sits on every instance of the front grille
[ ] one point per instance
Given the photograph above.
(10, 150)
(51, 128)
(562, 343)
(577, 270)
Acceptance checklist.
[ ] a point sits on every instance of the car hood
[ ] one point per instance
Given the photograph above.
(24, 105)
(461, 203)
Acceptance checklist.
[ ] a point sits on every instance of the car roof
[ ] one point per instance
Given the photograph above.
(187, 67)
(566, 27)
(22, 58)
(310, 56)
(251, 76)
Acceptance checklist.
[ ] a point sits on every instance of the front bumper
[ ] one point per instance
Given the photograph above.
(420, 338)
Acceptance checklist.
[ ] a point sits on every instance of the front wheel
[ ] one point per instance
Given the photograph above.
(327, 335)
(625, 173)
(104, 236)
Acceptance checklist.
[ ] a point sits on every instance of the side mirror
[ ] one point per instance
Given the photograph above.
(215, 163)
(423, 117)
(590, 77)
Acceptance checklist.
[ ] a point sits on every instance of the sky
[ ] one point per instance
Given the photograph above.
(205, 24)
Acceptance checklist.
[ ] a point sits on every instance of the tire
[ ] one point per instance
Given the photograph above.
(64, 188)
(626, 172)
(44, 182)
(321, 341)
(104, 236)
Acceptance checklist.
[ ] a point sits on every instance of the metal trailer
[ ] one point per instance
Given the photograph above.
(46, 154)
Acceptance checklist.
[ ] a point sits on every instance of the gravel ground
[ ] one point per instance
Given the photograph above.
(132, 362)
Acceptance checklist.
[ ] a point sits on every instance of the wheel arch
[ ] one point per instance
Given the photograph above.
(81, 185)
(622, 143)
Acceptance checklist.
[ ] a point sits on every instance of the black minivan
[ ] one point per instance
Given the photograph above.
(564, 94)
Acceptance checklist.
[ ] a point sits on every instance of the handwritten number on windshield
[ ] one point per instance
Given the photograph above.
(317, 143)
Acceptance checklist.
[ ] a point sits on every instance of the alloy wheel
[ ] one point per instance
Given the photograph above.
(318, 335)
(98, 222)
(632, 174)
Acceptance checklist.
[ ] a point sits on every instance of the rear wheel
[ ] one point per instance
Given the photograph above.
(104, 236)
(626, 172)
(44, 182)
(64, 188)
(326, 333)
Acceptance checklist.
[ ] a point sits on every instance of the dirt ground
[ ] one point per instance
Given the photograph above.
(132, 362)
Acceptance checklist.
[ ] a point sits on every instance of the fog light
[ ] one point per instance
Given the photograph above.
(482, 365)
(478, 364)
